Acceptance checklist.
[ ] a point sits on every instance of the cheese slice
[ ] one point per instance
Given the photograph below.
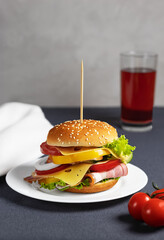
(73, 150)
(71, 175)
(80, 156)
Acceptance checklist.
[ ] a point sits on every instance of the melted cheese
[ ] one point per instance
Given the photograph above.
(73, 150)
(80, 156)
(71, 175)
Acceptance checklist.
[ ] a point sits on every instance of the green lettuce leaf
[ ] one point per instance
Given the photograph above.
(107, 179)
(52, 186)
(49, 186)
(62, 184)
(84, 183)
(120, 148)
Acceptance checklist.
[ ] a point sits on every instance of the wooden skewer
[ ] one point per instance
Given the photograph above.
(81, 98)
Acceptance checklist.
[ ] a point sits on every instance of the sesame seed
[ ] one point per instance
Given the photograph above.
(74, 137)
(61, 134)
(86, 139)
(89, 143)
(62, 143)
(77, 133)
(101, 142)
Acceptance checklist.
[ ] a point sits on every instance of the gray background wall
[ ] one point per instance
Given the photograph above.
(42, 43)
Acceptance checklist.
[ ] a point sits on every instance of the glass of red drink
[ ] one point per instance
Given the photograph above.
(138, 76)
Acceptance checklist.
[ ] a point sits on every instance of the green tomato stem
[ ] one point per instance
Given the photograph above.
(155, 186)
(156, 194)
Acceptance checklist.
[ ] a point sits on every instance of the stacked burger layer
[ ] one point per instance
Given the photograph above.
(83, 157)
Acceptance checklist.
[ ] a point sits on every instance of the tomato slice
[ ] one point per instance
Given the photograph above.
(102, 167)
(49, 150)
(53, 170)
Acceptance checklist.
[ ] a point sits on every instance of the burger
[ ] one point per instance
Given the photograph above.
(85, 157)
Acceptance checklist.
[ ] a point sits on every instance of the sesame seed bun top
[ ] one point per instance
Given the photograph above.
(90, 133)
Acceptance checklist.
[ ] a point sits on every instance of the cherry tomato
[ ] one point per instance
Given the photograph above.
(153, 212)
(136, 203)
(57, 169)
(158, 194)
(105, 166)
(49, 150)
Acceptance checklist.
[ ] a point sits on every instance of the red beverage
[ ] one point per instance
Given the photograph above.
(137, 95)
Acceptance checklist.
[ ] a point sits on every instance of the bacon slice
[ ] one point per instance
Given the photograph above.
(118, 171)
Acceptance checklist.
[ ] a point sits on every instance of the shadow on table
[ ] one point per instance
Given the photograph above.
(26, 202)
(136, 226)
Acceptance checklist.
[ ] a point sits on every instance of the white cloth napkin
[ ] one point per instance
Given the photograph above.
(23, 127)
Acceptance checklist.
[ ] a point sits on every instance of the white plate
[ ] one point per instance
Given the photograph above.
(133, 182)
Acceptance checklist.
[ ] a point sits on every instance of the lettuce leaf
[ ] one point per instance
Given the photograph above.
(52, 186)
(49, 186)
(107, 179)
(121, 148)
(83, 183)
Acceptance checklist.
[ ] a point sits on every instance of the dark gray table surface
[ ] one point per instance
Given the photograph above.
(26, 218)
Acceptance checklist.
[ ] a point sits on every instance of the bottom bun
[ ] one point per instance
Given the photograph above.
(98, 187)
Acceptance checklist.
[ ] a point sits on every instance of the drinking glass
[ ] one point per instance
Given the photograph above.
(138, 77)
